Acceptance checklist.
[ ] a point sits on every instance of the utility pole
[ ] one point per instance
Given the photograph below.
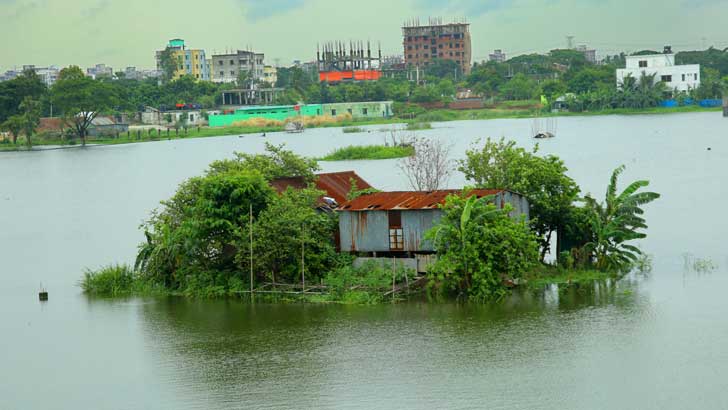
(251, 250)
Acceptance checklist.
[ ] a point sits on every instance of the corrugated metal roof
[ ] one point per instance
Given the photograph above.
(337, 185)
(403, 200)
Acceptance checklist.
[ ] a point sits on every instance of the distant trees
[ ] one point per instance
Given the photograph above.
(81, 99)
(30, 116)
(12, 93)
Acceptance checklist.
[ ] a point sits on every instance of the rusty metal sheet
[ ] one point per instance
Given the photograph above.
(406, 200)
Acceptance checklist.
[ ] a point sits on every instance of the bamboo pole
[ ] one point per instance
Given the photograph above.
(394, 274)
(251, 248)
(303, 260)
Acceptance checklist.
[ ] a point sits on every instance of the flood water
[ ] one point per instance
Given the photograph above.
(649, 342)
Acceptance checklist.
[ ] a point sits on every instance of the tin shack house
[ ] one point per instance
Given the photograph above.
(393, 224)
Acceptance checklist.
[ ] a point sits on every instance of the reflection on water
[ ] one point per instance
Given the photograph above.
(312, 356)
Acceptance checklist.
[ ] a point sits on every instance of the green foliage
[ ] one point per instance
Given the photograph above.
(168, 64)
(14, 125)
(199, 241)
(81, 99)
(116, 280)
(353, 130)
(415, 126)
(366, 284)
(13, 92)
(277, 162)
(543, 180)
(479, 246)
(616, 222)
(519, 87)
(358, 152)
(288, 226)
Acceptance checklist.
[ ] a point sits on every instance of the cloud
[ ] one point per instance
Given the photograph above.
(96, 9)
(262, 9)
(465, 7)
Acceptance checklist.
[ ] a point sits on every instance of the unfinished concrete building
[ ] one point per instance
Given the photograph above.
(425, 44)
(336, 62)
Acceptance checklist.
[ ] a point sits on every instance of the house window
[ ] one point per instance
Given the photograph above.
(333, 113)
(396, 236)
(666, 78)
(683, 77)
(643, 63)
(365, 111)
(350, 111)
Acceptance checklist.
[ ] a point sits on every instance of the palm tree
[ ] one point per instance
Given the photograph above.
(617, 221)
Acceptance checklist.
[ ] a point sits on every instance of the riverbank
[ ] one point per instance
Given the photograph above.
(433, 115)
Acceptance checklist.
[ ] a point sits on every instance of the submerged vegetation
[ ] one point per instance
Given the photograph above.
(358, 152)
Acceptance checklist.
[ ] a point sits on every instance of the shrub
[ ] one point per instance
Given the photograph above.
(114, 280)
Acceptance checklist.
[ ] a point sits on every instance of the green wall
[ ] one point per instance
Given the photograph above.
(377, 109)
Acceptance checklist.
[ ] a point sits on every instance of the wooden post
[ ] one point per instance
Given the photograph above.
(394, 275)
(725, 106)
(251, 249)
(303, 260)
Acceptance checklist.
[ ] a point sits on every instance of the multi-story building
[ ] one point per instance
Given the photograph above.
(676, 77)
(100, 70)
(340, 62)
(589, 54)
(270, 75)
(48, 75)
(190, 62)
(497, 56)
(226, 68)
(424, 45)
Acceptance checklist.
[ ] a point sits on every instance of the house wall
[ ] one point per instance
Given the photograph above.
(376, 109)
(683, 77)
(368, 231)
(278, 113)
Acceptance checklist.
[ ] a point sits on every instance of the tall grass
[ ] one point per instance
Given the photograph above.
(117, 280)
(357, 152)
(352, 130)
(415, 126)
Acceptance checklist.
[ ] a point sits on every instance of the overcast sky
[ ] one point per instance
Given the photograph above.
(126, 33)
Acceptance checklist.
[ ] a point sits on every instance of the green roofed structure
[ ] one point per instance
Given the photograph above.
(357, 110)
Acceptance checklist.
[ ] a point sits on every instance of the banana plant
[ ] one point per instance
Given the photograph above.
(617, 221)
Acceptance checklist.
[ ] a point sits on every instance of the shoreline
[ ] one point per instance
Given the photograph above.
(435, 115)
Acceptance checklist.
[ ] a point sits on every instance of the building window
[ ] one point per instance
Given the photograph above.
(232, 73)
(222, 74)
(643, 63)
(683, 77)
(232, 62)
(333, 113)
(350, 111)
(396, 236)
(365, 111)
(666, 78)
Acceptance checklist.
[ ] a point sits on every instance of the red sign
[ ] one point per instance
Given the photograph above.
(297, 108)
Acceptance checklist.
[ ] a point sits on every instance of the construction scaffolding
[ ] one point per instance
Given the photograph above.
(336, 63)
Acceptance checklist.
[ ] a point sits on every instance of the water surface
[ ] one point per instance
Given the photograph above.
(655, 342)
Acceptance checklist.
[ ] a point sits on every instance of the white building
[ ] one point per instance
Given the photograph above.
(227, 67)
(675, 77)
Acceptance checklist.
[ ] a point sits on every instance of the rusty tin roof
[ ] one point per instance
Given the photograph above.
(337, 185)
(404, 200)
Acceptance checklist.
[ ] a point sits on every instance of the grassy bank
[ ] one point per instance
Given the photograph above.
(549, 275)
(434, 115)
(354, 152)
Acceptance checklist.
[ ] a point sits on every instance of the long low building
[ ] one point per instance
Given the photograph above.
(357, 110)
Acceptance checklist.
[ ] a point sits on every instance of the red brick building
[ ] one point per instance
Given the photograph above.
(426, 44)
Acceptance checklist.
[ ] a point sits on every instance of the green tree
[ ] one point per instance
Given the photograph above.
(290, 225)
(12, 92)
(519, 87)
(617, 221)
(479, 246)
(543, 180)
(14, 125)
(277, 162)
(168, 63)
(30, 117)
(442, 68)
(81, 99)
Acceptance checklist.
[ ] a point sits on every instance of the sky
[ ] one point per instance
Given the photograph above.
(126, 33)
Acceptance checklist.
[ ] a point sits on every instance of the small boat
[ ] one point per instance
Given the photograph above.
(544, 134)
(294, 127)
